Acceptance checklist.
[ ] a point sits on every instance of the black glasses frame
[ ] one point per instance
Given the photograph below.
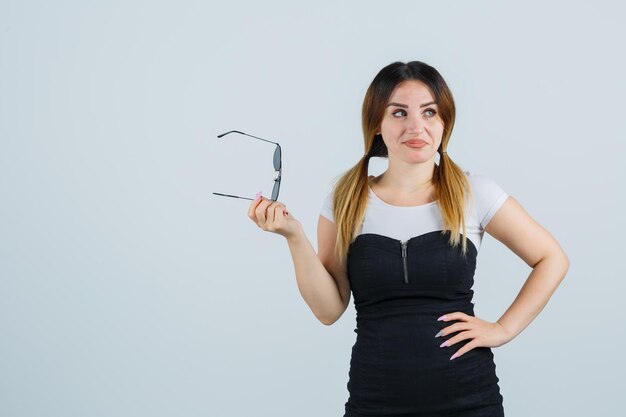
(278, 167)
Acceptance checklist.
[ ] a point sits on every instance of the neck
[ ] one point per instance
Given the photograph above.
(408, 178)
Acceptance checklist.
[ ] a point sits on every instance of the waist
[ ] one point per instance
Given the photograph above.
(409, 307)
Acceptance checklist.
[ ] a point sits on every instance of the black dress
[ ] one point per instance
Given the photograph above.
(397, 367)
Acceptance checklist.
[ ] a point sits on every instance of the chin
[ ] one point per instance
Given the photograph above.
(422, 158)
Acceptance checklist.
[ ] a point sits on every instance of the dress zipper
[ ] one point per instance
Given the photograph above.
(406, 275)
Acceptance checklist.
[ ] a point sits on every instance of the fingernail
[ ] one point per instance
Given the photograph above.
(444, 343)
(441, 318)
(454, 356)
(439, 334)
(258, 196)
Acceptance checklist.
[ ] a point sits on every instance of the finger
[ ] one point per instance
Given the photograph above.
(449, 316)
(457, 315)
(253, 206)
(281, 211)
(469, 346)
(456, 327)
(468, 334)
(272, 209)
(260, 211)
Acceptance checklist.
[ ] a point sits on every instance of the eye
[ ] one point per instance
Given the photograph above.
(433, 111)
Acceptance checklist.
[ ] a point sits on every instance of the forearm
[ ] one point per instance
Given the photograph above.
(316, 285)
(535, 293)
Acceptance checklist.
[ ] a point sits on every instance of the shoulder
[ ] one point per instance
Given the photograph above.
(326, 209)
(487, 195)
(482, 183)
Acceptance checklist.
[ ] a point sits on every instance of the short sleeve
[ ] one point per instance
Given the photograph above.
(327, 207)
(488, 197)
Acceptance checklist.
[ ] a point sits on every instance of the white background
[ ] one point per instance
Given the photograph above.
(128, 289)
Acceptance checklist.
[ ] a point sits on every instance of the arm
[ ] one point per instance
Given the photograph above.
(512, 226)
(326, 295)
(317, 286)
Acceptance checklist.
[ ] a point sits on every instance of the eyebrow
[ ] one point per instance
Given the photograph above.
(406, 107)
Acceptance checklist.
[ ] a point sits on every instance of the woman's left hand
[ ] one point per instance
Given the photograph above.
(482, 333)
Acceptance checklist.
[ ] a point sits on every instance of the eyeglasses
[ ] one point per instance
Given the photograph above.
(277, 167)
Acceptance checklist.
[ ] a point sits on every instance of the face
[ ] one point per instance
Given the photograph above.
(411, 127)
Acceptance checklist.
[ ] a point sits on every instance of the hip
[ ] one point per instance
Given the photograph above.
(393, 371)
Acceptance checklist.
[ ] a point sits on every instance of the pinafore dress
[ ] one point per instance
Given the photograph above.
(397, 368)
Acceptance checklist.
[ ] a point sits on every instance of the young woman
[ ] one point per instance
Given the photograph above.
(405, 245)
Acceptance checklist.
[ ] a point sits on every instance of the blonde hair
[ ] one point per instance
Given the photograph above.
(452, 189)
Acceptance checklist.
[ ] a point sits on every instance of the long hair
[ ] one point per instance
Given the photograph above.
(452, 189)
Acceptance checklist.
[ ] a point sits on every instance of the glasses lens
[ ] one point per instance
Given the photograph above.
(277, 158)
(275, 189)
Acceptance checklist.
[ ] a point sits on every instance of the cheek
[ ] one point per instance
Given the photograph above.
(437, 130)
(387, 124)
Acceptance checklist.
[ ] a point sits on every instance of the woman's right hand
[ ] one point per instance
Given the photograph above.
(272, 216)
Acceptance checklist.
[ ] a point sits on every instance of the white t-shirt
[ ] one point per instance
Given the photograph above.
(403, 223)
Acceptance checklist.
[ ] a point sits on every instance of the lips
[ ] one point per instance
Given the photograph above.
(416, 142)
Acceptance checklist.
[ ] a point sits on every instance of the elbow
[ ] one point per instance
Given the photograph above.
(564, 259)
(331, 317)
(558, 259)
(327, 322)
(565, 264)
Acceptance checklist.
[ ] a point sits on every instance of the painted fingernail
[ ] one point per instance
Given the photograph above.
(444, 343)
(454, 356)
(439, 334)
(441, 318)
(258, 196)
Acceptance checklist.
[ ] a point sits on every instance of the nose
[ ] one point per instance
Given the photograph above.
(415, 124)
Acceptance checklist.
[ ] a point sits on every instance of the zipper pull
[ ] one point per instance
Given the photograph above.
(406, 275)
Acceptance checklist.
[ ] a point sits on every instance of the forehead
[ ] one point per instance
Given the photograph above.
(411, 92)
